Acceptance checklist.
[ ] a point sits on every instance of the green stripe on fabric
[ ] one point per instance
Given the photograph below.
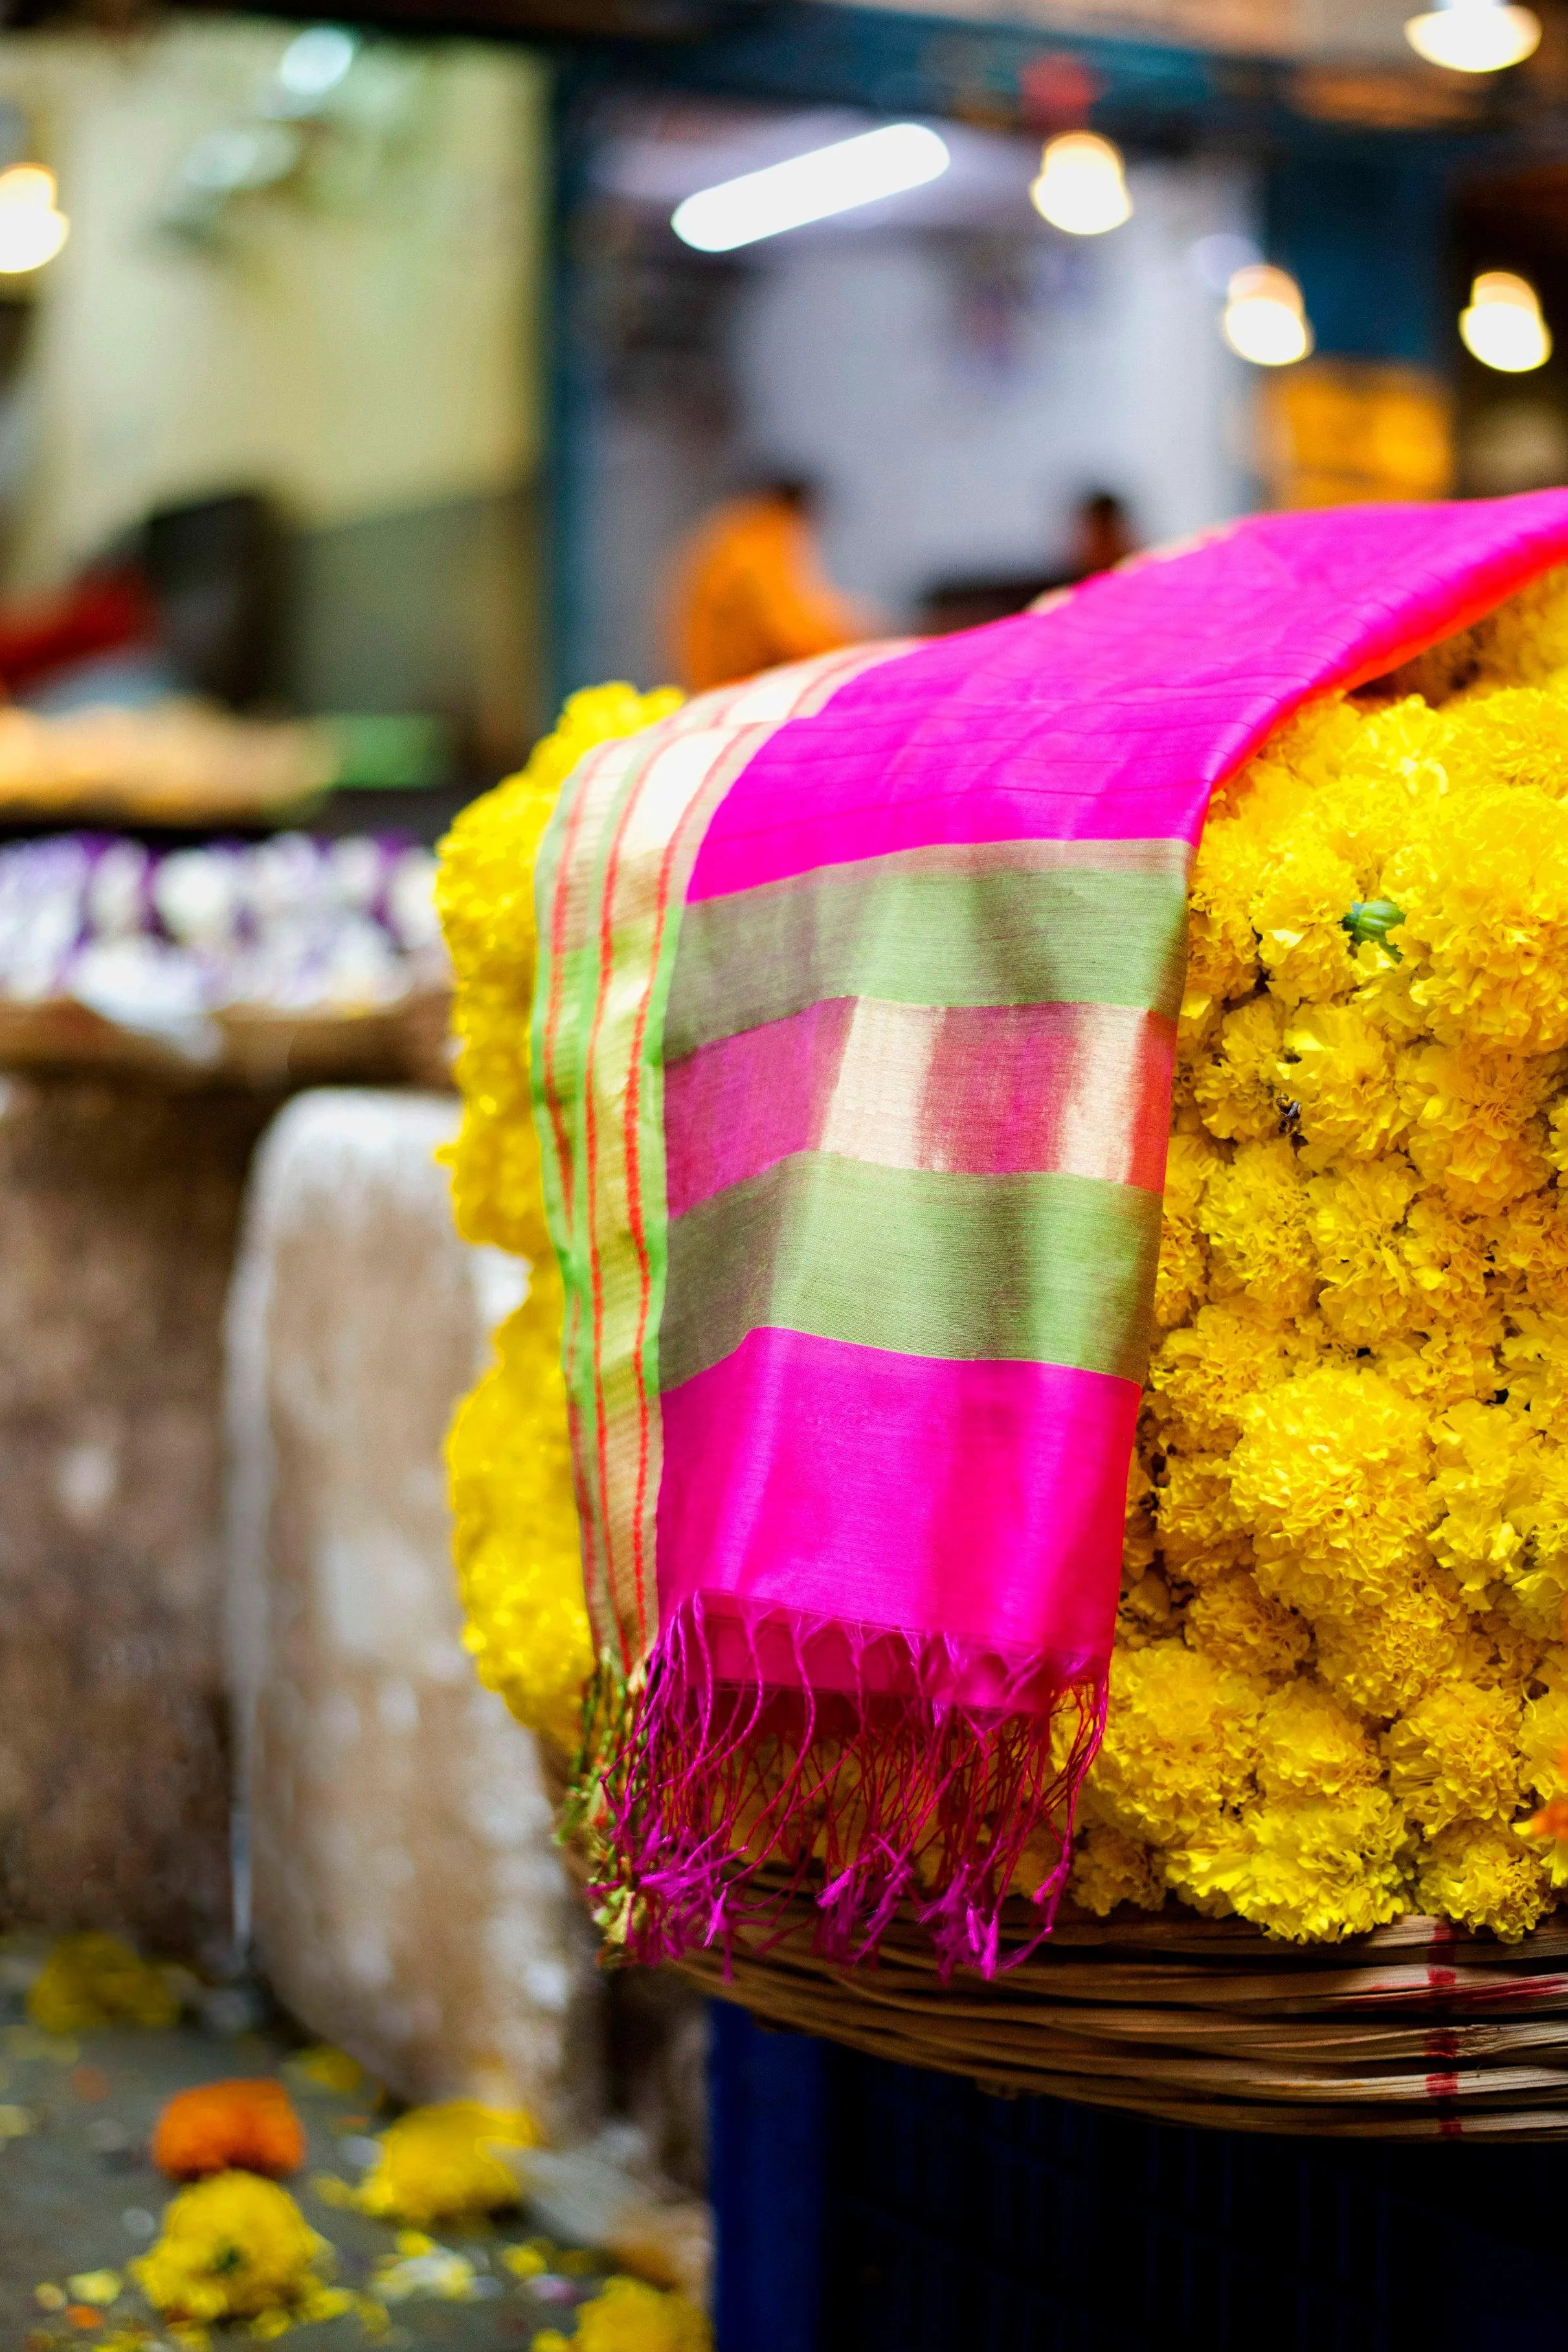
(557, 1176)
(1046, 1268)
(581, 977)
(914, 931)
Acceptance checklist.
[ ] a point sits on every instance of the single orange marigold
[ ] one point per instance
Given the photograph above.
(244, 2126)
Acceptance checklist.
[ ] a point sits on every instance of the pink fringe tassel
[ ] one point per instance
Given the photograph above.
(896, 1784)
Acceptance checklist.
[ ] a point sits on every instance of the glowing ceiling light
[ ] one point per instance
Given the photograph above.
(1503, 327)
(1082, 186)
(811, 187)
(1265, 318)
(1474, 36)
(32, 227)
(316, 60)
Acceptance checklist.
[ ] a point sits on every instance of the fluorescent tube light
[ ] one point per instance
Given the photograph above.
(811, 187)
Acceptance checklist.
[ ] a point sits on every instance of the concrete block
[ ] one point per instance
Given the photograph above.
(405, 1896)
(118, 1204)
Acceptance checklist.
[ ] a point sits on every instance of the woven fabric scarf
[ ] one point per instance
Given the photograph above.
(852, 1054)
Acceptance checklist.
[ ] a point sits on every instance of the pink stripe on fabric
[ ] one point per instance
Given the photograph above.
(988, 1090)
(743, 1105)
(1114, 716)
(980, 1503)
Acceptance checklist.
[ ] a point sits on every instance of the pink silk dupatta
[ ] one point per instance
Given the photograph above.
(852, 1055)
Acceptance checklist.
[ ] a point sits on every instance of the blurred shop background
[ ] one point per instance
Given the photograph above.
(366, 386)
(282, 379)
(370, 382)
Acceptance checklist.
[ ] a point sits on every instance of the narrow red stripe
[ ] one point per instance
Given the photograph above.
(596, 1273)
(634, 1198)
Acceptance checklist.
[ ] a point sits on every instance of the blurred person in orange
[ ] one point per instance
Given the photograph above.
(749, 589)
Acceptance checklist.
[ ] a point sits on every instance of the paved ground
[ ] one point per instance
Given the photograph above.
(78, 2192)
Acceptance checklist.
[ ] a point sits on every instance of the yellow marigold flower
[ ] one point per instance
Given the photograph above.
(1146, 1612)
(1441, 1368)
(1515, 736)
(1198, 1531)
(1206, 1370)
(1384, 995)
(1338, 1070)
(331, 2069)
(1551, 1823)
(1298, 911)
(100, 2288)
(484, 892)
(1183, 1275)
(515, 1532)
(1533, 1364)
(1179, 1743)
(441, 2163)
(1525, 641)
(1138, 1527)
(1310, 1746)
(1254, 1216)
(1545, 1771)
(1380, 1658)
(1222, 946)
(1481, 1873)
(1331, 1478)
(1533, 1590)
(627, 2317)
(93, 1981)
(1284, 782)
(1474, 1123)
(1302, 1866)
(1109, 1869)
(1392, 767)
(1354, 1217)
(1528, 1249)
(1484, 891)
(1557, 1149)
(1242, 1631)
(1498, 1651)
(234, 2247)
(1543, 1730)
(528, 2261)
(1455, 1756)
(1445, 1256)
(1235, 1087)
(1489, 1476)
(1320, 741)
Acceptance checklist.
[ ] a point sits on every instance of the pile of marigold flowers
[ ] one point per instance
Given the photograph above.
(1340, 1684)
(1339, 1690)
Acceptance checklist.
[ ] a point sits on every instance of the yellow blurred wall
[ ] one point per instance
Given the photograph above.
(1338, 431)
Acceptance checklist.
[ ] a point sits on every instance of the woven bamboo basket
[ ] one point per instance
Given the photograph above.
(1416, 2032)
